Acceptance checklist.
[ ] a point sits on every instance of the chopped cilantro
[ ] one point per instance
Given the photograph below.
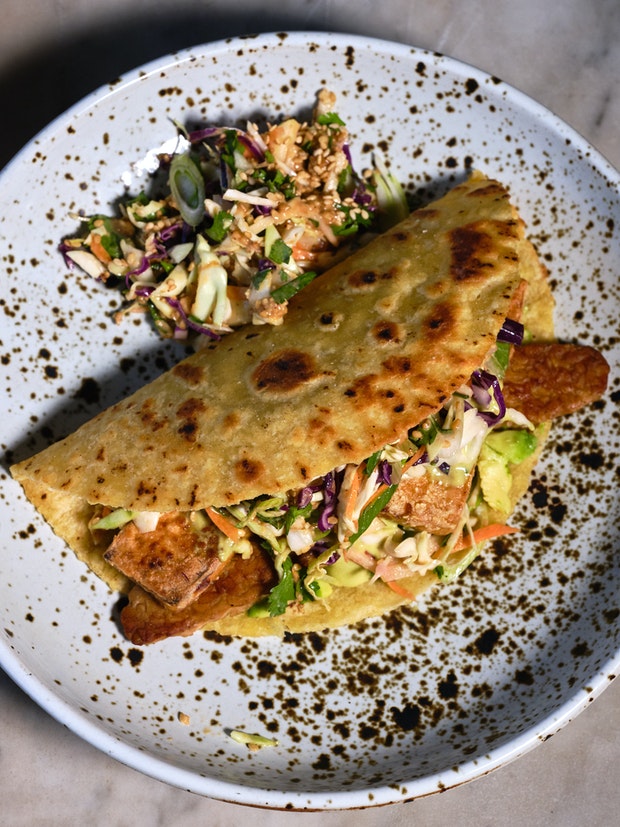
(355, 219)
(330, 118)
(275, 181)
(231, 146)
(284, 593)
(221, 222)
(279, 252)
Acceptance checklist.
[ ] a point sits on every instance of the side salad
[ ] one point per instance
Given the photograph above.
(248, 218)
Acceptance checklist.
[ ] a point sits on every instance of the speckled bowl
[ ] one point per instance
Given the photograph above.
(425, 699)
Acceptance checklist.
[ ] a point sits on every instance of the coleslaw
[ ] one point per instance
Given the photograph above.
(249, 217)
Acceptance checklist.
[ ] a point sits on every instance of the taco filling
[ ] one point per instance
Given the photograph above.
(330, 469)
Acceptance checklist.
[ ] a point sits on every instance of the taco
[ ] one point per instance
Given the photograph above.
(311, 475)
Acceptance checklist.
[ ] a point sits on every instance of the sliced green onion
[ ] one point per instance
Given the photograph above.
(391, 198)
(115, 519)
(449, 572)
(371, 511)
(188, 188)
(288, 290)
(211, 288)
(251, 740)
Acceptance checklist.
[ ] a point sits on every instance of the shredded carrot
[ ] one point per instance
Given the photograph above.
(487, 532)
(399, 589)
(412, 460)
(224, 525)
(376, 493)
(98, 250)
(356, 484)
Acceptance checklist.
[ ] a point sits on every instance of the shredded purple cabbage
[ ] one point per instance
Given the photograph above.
(195, 326)
(384, 472)
(319, 547)
(203, 134)
(168, 234)
(144, 290)
(254, 148)
(330, 499)
(511, 332)
(261, 209)
(485, 386)
(304, 497)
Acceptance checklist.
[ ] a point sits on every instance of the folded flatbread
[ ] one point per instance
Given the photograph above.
(368, 352)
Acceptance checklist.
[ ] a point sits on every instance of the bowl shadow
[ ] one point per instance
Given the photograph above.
(60, 73)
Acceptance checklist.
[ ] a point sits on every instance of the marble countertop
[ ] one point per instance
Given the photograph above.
(566, 55)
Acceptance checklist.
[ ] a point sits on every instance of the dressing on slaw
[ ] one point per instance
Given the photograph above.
(249, 218)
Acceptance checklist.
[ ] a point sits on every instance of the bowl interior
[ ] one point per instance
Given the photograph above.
(410, 704)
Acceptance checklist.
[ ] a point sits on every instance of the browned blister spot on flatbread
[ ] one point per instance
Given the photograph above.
(363, 279)
(285, 372)
(473, 249)
(248, 469)
(189, 412)
(192, 375)
(231, 422)
(439, 324)
(545, 381)
(149, 417)
(387, 332)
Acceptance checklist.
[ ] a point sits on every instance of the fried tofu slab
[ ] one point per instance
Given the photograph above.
(174, 563)
(242, 583)
(545, 381)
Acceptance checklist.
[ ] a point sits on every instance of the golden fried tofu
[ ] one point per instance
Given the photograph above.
(242, 584)
(174, 562)
(428, 503)
(545, 381)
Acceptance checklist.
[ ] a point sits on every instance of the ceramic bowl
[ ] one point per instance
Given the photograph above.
(473, 675)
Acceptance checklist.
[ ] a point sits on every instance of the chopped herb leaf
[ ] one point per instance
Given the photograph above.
(284, 593)
(288, 290)
(330, 118)
(371, 511)
(221, 222)
(259, 277)
(354, 220)
(280, 253)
